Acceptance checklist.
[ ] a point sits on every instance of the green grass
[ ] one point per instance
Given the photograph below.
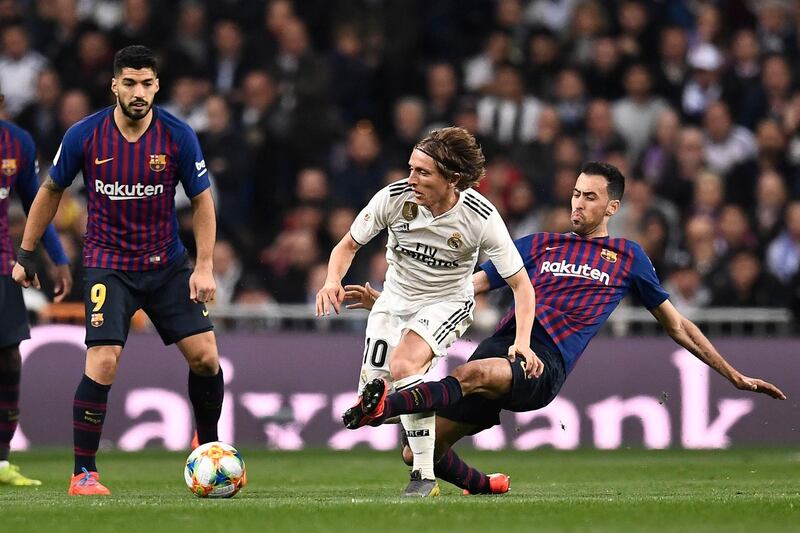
(630, 490)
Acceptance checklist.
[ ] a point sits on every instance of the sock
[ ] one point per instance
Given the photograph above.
(420, 431)
(206, 393)
(9, 409)
(88, 415)
(428, 396)
(453, 469)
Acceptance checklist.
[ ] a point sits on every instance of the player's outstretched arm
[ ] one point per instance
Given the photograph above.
(687, 334)
(202, 286)
(42, 211)
(331, 294)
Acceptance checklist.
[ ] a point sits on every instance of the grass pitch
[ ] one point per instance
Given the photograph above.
(630, 490)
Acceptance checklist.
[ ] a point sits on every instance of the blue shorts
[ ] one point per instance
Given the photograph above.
(13, 315)
(113, 296)
(526, 394)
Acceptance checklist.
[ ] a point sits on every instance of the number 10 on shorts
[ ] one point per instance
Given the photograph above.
(375, 352)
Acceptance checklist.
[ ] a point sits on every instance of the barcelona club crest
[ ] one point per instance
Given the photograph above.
(609, 256)
(97, 320)
(158, 162)
(9, 167)
(454, 241)
(410, 211)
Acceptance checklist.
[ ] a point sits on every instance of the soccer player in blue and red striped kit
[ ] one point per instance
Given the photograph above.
(18, 171)
(132, 156)
(579, 277)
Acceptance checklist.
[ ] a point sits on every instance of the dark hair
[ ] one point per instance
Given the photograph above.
(136, 57)
(615, 179)
(457, 155)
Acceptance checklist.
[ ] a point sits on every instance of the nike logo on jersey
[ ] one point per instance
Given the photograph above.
(548, 248)
(102, 161)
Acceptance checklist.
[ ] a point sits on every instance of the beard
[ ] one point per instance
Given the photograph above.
(132, 113)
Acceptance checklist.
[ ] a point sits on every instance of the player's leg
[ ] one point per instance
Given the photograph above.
(206, 384)
(185, 323)
(110, 299)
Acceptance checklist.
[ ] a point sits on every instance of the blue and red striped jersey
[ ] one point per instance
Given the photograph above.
(18, 171)
(578, 283)
(131, 187)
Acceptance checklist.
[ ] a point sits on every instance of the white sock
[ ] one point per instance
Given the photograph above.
(420, 431)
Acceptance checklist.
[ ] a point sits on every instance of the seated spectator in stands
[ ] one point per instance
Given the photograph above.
(704, 86)
(94, 68)
(774, 95)
(742, 80)
(636, 40)
(227, 271)
(745, 283)
(508, 115)
(287, 263)
(699, 236)
(137, 26)
(783, 253)
(709, 194)
(677, 185)
(40, 117)
(501, 177)
(19, 69)
(186, 103)
(672, 71)
(441, 92)
(352, 91)
(229, 63)
(571, 100)
(686, 288)
(636, 115)
(774, 27)
(726, 144)
(734, 231)
(312, 187)
(74, 106)
(188, 48)
(536, 158)
(543, 63)
(523, 215)
(479, 70)
(589, 21)
(600, 137)
(604, 74)
(361, 174)
(656, 157)
(408, 123)
(771, 198)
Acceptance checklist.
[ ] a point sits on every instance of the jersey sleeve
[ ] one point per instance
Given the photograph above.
(27, 185)
(500, 248)
(372, 219)
(644, 280)
(496, 281)
(191, 164)
(69, 157)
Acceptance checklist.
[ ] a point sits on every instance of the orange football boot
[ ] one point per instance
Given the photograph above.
(498, 484)
(87, 484)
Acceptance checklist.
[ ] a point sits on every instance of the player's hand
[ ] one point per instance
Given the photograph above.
(533, 365)
(759, 385)
(63, 280)
(24, 271)
(202, 286)
(363, 295)
(329, 296)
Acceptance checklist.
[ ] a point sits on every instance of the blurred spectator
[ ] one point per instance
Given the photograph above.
(636, 39)
(744, 283)
(589, 21)
(536, 158)
(479, 71)
(686, 289)
(770, 156)
(783, 253)
(523, 216)
(227, 271)
(287, 264)
(312, 186)
(726, 143)
(362, 172)
(353, 88)
(138, 26)
(40, 116)
(709, 193)
(186, 103)
(229, 64)
(542, 63)
(636, 115)
(188, 49)
(553, 14)
(742, 79)
(604, 74)
(771, 197)
(775, 31)
(699, 242)
(673, 69)
(735, 231)
(600, 137)
(773, 97)
(704, 86)
(19, 69)
(656, 157)
(678, 183)
(408, 122)
(570, 100)
(508, 115)
(441, 83)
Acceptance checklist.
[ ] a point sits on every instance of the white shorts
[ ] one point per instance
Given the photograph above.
(439, 324)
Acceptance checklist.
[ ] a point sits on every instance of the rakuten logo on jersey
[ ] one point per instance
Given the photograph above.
(118, 191)
(575, 271)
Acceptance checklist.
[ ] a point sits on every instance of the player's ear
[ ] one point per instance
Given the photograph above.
(114, 86)
(157, 85)
(612, 207)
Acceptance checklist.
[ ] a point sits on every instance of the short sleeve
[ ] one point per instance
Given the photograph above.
(372, 219)
(191, 164)
(644, 280)
(69, 157)
(496, 281)
(500, 248)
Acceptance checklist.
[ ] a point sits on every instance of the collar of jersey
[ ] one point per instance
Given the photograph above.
(459, 201)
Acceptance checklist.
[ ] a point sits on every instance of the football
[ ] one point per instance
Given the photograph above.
(215, 470)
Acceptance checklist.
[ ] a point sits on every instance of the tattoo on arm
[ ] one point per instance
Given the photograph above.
(51, 185)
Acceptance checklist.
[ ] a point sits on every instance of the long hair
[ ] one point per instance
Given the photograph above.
(457, 155)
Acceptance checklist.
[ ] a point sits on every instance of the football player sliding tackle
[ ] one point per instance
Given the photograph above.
(579, 277)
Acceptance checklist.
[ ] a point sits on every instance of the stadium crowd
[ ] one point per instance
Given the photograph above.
(304, 109)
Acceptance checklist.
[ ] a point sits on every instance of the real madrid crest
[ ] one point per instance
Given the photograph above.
(410, 211)
(609, 256)
(454, 241)
(9, 167)
(158, 162)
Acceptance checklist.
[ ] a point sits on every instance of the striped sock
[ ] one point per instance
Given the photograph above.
(9, 409)
(88, 415)
(453, 469)
(206, 394)
(422, 398)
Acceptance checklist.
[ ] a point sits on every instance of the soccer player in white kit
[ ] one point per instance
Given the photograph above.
(437, 226)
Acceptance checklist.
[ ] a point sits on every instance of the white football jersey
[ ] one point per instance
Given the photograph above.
(432, 258)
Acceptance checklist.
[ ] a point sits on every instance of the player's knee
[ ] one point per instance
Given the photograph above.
(401, 367)
(205, 362)
(470, 376)
(10, 360)
(408, 456)
(101, 363)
